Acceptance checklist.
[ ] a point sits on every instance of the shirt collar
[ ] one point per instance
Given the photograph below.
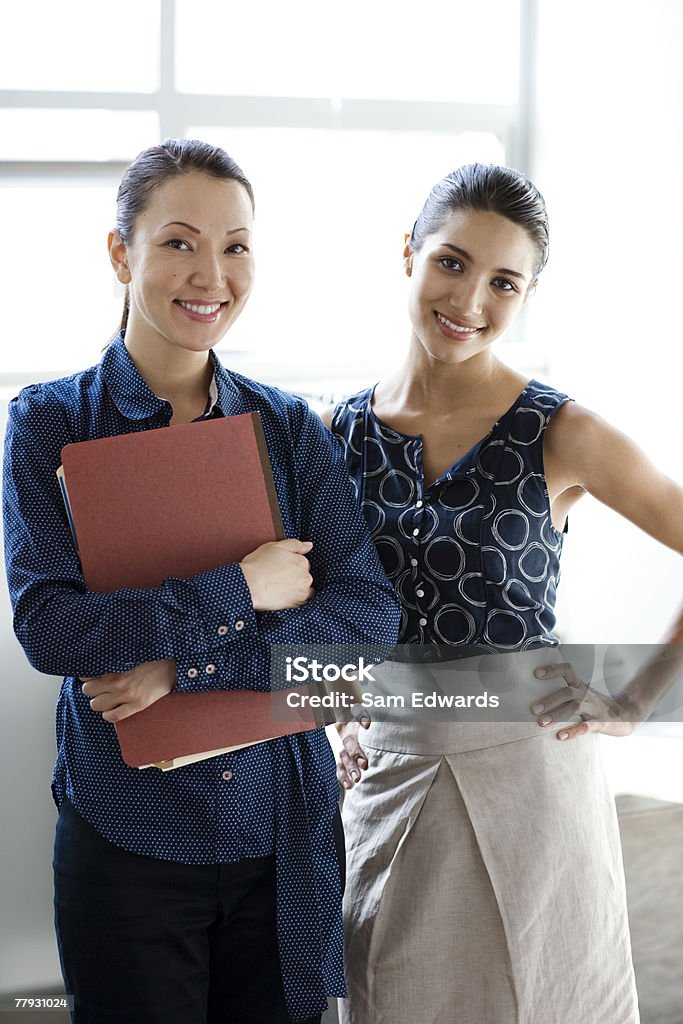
(135, 399)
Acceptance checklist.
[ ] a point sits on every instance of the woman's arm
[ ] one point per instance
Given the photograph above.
(583, 451)
(206, 624)
(63, 628)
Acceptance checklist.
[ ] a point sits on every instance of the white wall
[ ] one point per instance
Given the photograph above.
(28, 955)
(609, 158)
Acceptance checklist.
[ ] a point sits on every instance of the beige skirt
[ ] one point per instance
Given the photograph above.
(485, 881)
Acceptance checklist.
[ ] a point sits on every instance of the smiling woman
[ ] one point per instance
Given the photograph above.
(460, 891)
(213, 890)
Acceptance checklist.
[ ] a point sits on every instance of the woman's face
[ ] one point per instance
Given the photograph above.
(469, 281)
(189, 265)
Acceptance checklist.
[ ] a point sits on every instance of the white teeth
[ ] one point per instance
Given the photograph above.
(203, 310)
(455, 327)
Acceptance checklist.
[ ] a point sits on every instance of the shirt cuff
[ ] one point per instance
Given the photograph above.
(226, 615)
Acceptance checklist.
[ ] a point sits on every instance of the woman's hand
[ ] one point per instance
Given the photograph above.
(599, 712)
(117, 695)
(352, 758)
(278, 575)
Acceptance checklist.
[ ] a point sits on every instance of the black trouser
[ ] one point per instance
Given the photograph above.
(146, 941)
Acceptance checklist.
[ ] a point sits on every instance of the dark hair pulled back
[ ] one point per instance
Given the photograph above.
(486, 187)
(159, 164)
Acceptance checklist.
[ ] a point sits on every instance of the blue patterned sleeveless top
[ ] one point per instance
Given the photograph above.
(474, 556)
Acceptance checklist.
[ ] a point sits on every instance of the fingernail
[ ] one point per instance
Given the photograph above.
(540, 672)
(355, 776)
(546, 720)
(346, 785)
(563, 735)
(537, 708)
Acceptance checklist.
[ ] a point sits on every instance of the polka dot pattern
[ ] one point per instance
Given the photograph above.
(274, 797)
(475, 557)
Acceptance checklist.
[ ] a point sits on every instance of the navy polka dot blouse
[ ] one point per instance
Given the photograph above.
(277, 797)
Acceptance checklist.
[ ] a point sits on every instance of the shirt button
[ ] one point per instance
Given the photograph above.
(222, 630)
(192, 673)
(239, 625)
(413, 561)
(423, 622)
(415, 532)
(419, 504)
(226, 775)
(420, 593)
(210, 669)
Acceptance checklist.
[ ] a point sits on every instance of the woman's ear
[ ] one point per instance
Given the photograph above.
(531, 290)
(118, 254)
(407, 256)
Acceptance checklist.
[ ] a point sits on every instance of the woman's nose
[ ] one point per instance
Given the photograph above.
(208, 273)
(469, 297)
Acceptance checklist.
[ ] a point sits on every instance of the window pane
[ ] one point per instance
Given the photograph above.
(79, 45)
(65, 301)
(76, 134)
(378, 50)
(331, 212)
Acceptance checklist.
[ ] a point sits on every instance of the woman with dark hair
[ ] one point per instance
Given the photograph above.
(212, 892)
(485, 881)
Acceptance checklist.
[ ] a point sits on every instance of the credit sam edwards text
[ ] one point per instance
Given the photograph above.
(304, 670)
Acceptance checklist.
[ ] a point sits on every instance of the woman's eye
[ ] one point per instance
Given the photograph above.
(450, 263)
(237, 248)
(177, 243)
(504, 285)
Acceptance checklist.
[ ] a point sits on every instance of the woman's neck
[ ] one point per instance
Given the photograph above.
(425, 383)
(177, 375)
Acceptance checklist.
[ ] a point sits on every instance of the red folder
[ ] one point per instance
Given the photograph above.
(170, 502)
(176, 501)
(183, 724)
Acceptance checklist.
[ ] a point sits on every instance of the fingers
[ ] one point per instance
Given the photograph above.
(563, 703)
(355, 752)
(582, 729)
(97, 685)
(352, 758)
(350, 767)
(563, 670)
(122, 711)
(299, 547)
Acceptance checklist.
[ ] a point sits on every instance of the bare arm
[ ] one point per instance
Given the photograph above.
(584, 454)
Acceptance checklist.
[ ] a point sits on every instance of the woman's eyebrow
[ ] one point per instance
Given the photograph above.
(500, 270)
(196, 231)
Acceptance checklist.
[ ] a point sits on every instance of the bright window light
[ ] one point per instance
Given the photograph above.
(77, 45)
(457, 52)
(65, 300)
(76, 134)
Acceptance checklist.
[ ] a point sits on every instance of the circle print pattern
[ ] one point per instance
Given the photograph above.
(399, 485)
(474, 555)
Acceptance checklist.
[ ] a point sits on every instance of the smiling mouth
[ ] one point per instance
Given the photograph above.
(457, 328)
(207, 309)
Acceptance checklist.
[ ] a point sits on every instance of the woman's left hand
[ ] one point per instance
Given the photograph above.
(600, 713)
(117, 695)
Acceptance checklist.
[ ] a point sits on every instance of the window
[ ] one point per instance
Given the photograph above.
(342, 117)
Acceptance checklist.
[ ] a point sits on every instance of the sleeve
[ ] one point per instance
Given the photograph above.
(354, 602)
(206, 623)
(67, 630)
